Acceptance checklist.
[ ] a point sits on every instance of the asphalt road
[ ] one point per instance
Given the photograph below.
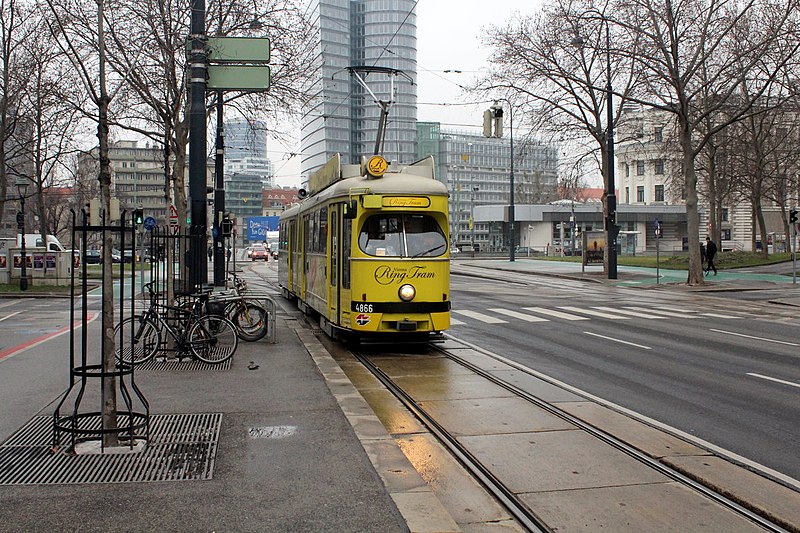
(724, 372)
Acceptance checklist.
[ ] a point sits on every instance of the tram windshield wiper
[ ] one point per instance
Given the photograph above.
(426, 252)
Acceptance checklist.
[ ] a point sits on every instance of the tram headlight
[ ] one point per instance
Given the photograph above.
(407, 292)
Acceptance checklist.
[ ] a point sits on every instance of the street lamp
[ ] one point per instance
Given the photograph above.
(22, 188)
(611, 195)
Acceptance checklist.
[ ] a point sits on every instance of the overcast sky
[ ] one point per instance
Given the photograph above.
(448, 38)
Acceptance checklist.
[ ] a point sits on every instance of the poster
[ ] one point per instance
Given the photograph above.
(50, 260)
(594, 243)
(38, 261)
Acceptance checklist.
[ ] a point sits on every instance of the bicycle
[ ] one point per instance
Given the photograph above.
(249, 317)
(209, 338)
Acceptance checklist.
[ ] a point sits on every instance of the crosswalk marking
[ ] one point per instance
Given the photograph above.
(480, 316)
(593, 312)
(553, 312)
(577, 313)
(677, 310)
(660, 312)
(716, 315)
(637, 314)
(521, 316)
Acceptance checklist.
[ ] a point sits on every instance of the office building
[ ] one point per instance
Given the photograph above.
(342, 117)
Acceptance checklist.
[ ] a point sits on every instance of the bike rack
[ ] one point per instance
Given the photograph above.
(89, 377)
(265, 300)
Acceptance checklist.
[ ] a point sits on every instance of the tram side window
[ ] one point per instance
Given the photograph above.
(322, 224)
(347, 233)
(380, 236)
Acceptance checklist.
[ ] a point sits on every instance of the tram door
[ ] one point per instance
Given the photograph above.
(334, 294)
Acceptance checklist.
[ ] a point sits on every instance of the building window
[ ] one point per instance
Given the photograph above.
(640, 193)
(725, 214)
(659, 193)
(659, 166)
(726, 234)
(627, 195)
(640, 168)
(627, 170)
(658, 134)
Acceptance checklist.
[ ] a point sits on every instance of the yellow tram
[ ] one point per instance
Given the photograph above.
(368, 251)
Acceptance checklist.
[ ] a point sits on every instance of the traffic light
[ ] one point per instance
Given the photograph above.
(493, 121)
(793, 216)
(138, 217)
(227, 225)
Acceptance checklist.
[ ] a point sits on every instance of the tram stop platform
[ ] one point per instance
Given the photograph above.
(288, 456)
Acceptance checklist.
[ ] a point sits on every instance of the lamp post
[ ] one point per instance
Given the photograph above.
(22, 188)
(610, 192)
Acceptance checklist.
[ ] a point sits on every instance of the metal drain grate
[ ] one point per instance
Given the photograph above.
(181, 448)
(182, 365)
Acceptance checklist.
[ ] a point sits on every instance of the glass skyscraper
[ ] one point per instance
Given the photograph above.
(342, 117)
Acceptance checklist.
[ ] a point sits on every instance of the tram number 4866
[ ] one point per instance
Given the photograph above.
(362, 308)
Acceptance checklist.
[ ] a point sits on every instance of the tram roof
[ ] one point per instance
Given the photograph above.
(410, 179)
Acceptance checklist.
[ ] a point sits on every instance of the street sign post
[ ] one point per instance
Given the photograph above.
(249, 78)
(658, 251)
(238, 50)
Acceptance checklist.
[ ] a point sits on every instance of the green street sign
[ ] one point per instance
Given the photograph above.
(238, 78)
(238, 49)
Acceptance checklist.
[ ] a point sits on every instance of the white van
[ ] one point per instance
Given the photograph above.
(34, 240)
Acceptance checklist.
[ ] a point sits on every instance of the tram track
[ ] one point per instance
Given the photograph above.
(512, 501)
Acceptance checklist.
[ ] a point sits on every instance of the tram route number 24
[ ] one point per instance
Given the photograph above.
(362, 308)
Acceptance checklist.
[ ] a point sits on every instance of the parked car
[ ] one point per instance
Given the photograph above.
(259, 252)
(93, 257)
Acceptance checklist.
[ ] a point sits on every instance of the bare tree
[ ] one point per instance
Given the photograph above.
(554, 66)
(78, 28)
(13, 79)
(692, 55)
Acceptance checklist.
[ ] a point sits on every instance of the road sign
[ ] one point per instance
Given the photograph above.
(173, 215)
(238, 49)
(149, 223)
(238, 78)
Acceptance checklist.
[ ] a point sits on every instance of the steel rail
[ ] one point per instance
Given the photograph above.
(620, 445)
(504, 495)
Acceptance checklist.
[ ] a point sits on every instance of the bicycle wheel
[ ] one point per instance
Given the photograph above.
(212, 339)
(250, 319)
(137, 340)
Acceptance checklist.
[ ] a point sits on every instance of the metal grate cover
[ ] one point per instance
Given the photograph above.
(182, 365)
(182, 447)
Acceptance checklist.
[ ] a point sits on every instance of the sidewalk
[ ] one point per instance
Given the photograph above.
(290, 456)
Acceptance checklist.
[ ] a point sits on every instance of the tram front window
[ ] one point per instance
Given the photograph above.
(402, 236)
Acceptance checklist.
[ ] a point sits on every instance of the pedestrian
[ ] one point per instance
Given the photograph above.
(702, 255)
(711, 252)
(210, 253)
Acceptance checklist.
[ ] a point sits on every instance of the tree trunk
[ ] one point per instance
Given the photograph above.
(695, 275)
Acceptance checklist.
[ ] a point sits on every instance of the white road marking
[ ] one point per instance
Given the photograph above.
(553, 312)
(456, 322)
(664, 313)
(521, 316)
(480, 316)
(715, 315)
(592, 312)
(618, 340)
(9, 316)
(752, 337)
(776, 380)
(676, 309)
(637, 314)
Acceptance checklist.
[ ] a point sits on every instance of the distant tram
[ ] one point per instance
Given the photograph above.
(368, 251)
